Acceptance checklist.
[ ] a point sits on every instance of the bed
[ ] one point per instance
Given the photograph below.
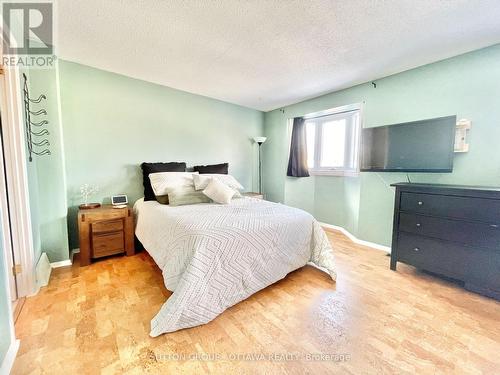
(213, 256)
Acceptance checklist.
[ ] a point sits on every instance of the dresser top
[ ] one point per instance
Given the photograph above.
(484, 191)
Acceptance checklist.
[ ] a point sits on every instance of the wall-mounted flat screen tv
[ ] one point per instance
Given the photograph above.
(419, 146)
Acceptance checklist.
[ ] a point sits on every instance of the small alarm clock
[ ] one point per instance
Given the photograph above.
(119, 201)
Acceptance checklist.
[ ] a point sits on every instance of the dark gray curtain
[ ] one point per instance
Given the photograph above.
(297, 163)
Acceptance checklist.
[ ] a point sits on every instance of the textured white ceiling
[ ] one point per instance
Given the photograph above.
(266, 54)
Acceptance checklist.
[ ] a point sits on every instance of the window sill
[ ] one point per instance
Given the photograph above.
(333, 173)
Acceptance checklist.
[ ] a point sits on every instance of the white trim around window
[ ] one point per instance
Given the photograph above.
(334, 172)
(348, 123)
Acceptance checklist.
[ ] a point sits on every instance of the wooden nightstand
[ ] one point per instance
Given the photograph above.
(105, 231)
(254, 195)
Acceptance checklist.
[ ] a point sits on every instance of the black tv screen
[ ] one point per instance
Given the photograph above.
(419, 146)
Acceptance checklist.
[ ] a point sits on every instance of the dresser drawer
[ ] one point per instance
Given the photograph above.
(433, 255)
(107, 226)
(107, 244)
(467, 233)
(480, 209)
(483, 268)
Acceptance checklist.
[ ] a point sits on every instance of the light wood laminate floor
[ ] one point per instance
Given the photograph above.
(95, 320)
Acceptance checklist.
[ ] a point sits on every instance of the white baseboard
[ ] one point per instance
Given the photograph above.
(62, 263)
(354, 239)
(43, 270)
(67, 262)
(8, 362)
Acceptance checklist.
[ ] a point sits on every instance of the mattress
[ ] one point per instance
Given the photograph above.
(213, 256)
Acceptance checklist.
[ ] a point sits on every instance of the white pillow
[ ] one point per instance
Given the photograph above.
(219, 192)
(166, 182)
(180, 198)
(201, 181)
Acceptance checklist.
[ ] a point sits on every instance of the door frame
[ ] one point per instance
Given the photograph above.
(5, 222)
(6, 364)
(11, 107)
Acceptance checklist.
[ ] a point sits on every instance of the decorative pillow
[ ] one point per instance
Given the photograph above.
(164, 183)
(162, 199)
(202, 181)
(183, 197)
(148, 168)
(214, 168)
(219, 192)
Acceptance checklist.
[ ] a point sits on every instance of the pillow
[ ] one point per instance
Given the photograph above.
(202, 181)
(219, 192)
(214, 168)
(148, 168)
(163, 183)
(162, 199)
(183, 197)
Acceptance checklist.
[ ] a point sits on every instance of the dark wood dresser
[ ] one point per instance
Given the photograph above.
(449, 230)
(105, 231)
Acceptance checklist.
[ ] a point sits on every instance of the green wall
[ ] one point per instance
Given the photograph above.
(46, 174)
(32, 173)
(466, 85)
(113, 123)
(106, 124)
(5, 336)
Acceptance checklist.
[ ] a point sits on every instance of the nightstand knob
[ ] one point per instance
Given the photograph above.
(420, 203)
(416, 249)
(418, 225)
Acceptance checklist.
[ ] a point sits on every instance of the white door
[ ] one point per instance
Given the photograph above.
(5, 221)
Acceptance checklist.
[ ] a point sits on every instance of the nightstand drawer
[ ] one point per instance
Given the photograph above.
(107, 226)
(107, 244)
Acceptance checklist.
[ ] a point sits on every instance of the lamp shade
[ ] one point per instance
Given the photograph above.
(259, 140)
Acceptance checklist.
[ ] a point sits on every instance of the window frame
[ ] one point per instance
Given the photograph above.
(352, 143)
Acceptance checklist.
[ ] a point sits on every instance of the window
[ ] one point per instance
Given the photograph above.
(332, 143)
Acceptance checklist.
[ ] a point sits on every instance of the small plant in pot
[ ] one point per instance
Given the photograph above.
(86, 192)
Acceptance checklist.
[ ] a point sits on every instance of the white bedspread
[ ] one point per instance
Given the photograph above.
(214, 256)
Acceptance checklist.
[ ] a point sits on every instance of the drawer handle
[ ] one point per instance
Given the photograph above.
(420, 203)
(419, 225)
(494, 225)
(416, 249)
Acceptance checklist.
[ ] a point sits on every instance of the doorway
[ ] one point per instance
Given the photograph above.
(10, 255)
(15, 216)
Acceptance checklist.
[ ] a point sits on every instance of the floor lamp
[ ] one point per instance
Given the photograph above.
(260, 141)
